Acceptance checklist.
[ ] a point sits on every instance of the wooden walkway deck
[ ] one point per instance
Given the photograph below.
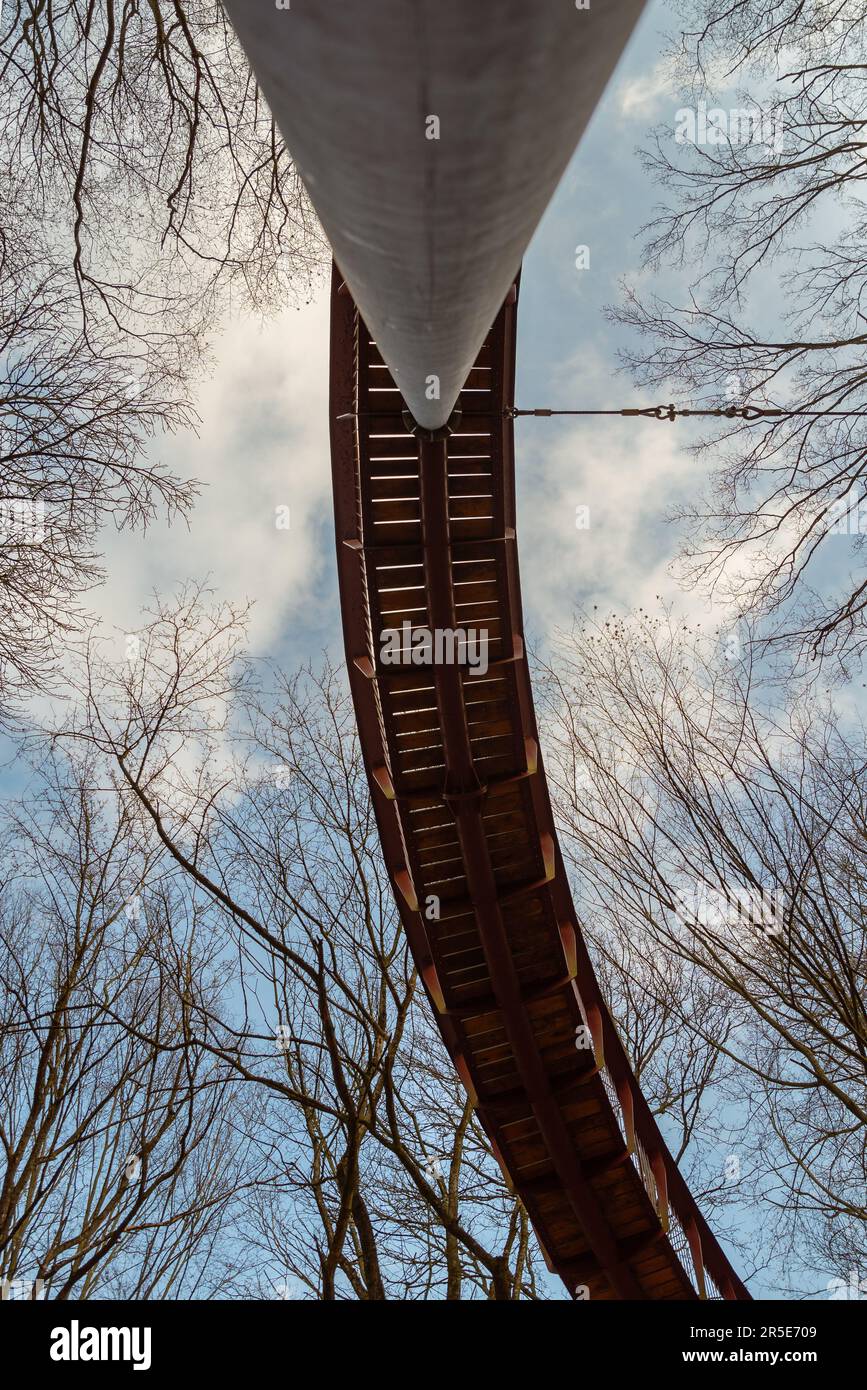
(426, 536)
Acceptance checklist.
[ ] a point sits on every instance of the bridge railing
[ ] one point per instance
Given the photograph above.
(686, 1230)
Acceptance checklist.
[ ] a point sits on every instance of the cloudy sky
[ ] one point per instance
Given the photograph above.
(263, 441)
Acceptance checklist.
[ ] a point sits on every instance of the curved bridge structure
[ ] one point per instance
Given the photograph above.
(431, 135)
(426, 543)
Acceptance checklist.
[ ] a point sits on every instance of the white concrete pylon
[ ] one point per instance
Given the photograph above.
(431, 135)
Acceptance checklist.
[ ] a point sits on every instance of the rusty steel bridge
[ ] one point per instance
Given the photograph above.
(431, 135)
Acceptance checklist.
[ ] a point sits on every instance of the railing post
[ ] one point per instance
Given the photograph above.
(692, 1235)
(627, 1109)
(660, 1174)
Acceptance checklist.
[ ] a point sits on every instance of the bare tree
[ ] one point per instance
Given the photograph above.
(138, 128)
(768, 194)
(75, 430)
(381, 1183)
(122, 1153)
(144, 195)
(719, 839)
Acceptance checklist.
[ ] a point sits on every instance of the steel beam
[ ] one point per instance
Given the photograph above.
(431, 135)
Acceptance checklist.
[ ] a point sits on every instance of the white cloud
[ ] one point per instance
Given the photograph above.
(628, 472)
(263, 444)
(641, 96)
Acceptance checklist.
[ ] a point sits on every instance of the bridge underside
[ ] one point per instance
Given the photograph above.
(426, 535)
